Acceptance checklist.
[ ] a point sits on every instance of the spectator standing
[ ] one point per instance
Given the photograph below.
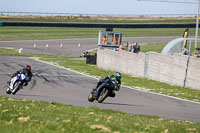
(136, 48)
(104, 40)
(129, 47)
(121, 48)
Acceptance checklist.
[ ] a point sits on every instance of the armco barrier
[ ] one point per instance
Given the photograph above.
(83, 25)
(174, 69)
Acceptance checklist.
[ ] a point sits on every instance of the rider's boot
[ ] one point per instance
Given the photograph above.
(112, 94)
(25, 83)
(8, 82)
(95, 93)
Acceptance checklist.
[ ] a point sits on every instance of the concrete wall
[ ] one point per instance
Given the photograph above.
(167, 68)
(174, 69)
(122, 61)
(193, 74)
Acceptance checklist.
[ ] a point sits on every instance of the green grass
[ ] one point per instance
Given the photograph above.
(157, 47)
(23, 116)
(79, 64)
(46, 33)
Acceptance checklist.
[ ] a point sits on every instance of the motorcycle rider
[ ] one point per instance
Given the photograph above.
(117, 80)
(27, 72)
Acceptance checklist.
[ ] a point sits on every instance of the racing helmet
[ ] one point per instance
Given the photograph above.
(118, 75)
(28, 68)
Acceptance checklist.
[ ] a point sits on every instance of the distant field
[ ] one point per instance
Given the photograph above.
(112, 20)
(44, 33)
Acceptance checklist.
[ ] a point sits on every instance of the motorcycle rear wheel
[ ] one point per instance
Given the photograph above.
(103, 95)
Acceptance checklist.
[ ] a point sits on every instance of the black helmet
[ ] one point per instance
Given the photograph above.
(118, 75)
(28, 68)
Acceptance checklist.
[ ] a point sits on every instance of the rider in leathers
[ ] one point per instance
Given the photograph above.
(26, 71)
(117, 80)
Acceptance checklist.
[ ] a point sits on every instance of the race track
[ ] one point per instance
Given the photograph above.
(70, 46)
(54, 84)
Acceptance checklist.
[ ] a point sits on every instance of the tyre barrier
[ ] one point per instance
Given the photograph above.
(81, 25)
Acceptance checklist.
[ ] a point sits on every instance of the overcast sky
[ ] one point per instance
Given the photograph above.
(99, 6)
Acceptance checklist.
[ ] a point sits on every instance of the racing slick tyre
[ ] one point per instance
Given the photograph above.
(103, 95)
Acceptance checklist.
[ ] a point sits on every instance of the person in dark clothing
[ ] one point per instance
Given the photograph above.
(117, 80)
(136, 48)
(27, 72)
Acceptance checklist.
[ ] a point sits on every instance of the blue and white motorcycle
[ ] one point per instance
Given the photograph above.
(16, 83)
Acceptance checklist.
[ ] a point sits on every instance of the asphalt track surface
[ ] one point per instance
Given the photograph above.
(54, 84)
(70, 46)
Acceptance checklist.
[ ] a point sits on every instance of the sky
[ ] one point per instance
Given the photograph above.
(100, 6)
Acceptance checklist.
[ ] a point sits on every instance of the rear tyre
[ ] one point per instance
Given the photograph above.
(103, 95)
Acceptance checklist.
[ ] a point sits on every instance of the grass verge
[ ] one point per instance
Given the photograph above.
(157, 47)
(20, 115)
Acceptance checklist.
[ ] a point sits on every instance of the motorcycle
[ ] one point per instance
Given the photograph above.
(16, 83)
(105, 89)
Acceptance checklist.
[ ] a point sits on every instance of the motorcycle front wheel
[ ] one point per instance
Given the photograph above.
(16, 88)
(8, 91)
(103, 95)
(91, 97)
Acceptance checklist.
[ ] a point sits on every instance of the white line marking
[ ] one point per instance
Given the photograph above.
(92, 49)
(7, 47)
(121, 85)
(64, 68)
(20, 50)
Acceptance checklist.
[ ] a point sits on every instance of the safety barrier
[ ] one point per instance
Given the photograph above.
(84, 25)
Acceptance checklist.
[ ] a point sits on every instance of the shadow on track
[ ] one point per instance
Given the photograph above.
(28, 95)
(120, 104)
(33, 84)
